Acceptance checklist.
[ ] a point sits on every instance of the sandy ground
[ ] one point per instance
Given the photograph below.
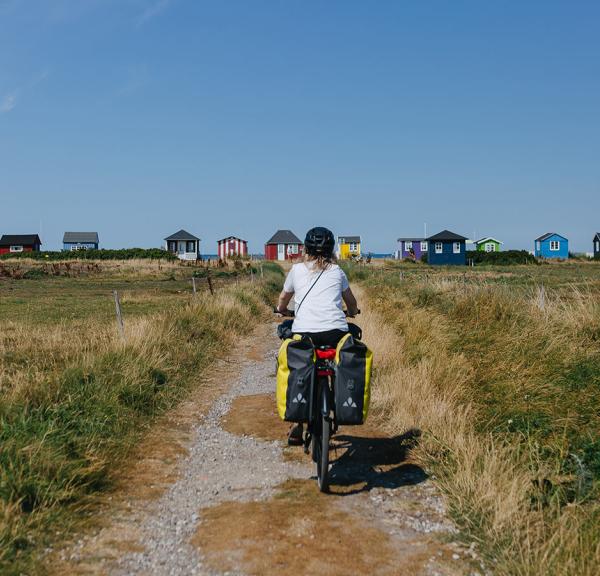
(215, 490)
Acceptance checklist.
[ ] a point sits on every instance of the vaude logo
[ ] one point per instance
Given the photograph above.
(350, 403)
(299, 399)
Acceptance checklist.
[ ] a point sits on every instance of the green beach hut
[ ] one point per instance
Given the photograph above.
(488, 245)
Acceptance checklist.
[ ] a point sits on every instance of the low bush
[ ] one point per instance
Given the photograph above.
(102, 254)
(501, 258)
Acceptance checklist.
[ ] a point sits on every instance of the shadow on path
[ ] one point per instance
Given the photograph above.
(361, 463)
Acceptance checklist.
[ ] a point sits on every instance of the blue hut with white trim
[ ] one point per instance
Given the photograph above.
(447, 248)
(80, 241)
(551, 245)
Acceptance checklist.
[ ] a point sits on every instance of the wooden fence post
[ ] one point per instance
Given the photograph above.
(210, 284)
(261, 270)
(119, 314)
(194, 285)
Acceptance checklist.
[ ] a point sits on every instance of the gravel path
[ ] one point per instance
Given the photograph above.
(222, 467)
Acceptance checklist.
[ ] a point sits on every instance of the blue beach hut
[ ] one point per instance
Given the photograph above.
(552, 245)
(80, 241)
(447, 248)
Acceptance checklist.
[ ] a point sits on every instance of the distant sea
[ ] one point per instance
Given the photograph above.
(216, 256)
(261, 256)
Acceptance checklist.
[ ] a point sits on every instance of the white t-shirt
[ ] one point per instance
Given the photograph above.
(322, 308)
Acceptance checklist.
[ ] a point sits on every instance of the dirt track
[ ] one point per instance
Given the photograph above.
(215, 490)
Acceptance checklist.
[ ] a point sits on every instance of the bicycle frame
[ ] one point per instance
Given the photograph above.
(321, 399)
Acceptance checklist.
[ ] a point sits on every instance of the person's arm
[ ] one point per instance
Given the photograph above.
(286, 293)
(284, 300)
(350, 302)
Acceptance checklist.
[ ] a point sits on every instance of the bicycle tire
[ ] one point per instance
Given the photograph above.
(323, 461)
(316, 442)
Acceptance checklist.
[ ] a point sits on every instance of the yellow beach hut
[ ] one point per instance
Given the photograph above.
(348, 247)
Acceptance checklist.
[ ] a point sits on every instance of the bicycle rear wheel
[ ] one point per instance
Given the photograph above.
(323, 455)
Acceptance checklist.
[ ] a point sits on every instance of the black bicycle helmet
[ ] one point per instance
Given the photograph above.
(319, 241)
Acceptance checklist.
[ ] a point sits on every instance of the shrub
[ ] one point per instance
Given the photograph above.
(501, 258)
(122, 254)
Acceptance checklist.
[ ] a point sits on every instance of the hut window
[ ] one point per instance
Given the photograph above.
(408, 245)
(489, 247)
(293, 249)
(438, 247)
(16, 248)
(554, 245)
(456, 248)
(352, 246)
(597, 245)
(423, 246)
(191, 246)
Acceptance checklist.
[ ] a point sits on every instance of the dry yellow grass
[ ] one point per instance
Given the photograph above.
(489, 479)
(75, 396)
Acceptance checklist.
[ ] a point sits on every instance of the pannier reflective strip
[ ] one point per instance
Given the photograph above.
(295, 374)
(353, 364)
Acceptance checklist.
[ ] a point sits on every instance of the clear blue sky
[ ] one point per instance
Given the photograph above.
(137, 118)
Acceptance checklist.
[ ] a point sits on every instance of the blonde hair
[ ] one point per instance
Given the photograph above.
(320, 262)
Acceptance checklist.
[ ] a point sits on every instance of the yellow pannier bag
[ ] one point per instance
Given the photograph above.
(353, 363)
(295, 377)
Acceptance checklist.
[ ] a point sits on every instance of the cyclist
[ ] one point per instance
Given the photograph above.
(318, 286)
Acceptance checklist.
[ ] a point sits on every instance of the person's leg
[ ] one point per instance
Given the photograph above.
(295, 435)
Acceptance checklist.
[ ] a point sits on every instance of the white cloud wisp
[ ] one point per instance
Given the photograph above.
(152, 11)
(8, 103)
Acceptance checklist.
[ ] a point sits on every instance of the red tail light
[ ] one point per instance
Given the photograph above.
(328, 354)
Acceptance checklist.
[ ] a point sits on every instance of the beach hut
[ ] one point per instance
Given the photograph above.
(551, 245)
(80, 241)
(283, 245)
(412, 248)
(184, 245)
(488, 244)
(17, 243)
(348, 247)
(231, 246)
(447, 248)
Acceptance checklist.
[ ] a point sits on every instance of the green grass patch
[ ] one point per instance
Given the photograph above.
(75, 398)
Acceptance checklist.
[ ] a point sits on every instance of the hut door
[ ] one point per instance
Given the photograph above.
(280, 251)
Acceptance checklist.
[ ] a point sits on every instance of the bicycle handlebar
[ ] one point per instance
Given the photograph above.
(291, 314)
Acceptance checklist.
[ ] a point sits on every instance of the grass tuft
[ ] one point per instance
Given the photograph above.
(76, 397)
(502, 378)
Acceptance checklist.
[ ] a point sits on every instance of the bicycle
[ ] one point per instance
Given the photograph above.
(322, 423)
